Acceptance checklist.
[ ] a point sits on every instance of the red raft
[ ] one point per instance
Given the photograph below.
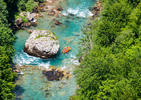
(66, 50)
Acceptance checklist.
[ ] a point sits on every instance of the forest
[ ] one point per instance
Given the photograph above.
(110, 66)
(110, 51)
(8, 10)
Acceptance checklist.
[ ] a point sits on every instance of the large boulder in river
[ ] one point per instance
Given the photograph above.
(42, 43)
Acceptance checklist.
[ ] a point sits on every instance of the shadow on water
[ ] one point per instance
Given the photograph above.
(52, 61)
(57, 61)
(19, 92)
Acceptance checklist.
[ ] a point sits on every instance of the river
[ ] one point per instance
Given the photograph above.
(33, 85)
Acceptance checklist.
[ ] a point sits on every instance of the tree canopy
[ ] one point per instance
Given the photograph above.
(111, 68)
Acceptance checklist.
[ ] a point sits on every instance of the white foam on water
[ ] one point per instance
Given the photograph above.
(64, 67)
(73, 11)
(45, 65)
(90, 13)
(65, 13)
(25, 59)
(74, 60)
(78, 12)
(73, 56)
(81, 14)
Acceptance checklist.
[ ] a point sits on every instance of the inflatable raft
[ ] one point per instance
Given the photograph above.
(66, 50)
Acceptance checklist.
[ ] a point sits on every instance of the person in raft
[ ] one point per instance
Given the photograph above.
(66, 50)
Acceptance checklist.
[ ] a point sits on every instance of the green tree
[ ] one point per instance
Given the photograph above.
(111, 64)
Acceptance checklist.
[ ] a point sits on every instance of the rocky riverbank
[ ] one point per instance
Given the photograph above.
(96, 10)
(52, 7)
(27, 19)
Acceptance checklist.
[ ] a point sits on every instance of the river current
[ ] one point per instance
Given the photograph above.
(33, 85)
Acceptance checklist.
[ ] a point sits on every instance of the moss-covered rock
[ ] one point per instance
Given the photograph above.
(42, 43)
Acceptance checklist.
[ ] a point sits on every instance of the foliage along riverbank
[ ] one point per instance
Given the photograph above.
(8, 10)
(6, 54)
(111, 68)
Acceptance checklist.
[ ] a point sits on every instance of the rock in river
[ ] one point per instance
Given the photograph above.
(42, 43)
(26, 19)
(56, 74)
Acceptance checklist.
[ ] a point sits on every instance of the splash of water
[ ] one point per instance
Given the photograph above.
(78, 12)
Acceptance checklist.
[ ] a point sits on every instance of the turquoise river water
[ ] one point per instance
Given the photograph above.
(33, 85)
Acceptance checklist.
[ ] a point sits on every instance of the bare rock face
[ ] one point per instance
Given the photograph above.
(42, 43)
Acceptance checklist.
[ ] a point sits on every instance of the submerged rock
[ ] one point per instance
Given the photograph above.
(71, 14)
(57, 22)
(42, 43)
(60, 9)
(56, 74)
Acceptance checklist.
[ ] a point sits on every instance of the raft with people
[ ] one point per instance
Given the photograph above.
(66, 50)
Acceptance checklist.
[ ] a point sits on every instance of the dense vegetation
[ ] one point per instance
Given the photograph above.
(14, 7)
(111, 64)
(8, 10)
(111, 68)
(6, 54)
